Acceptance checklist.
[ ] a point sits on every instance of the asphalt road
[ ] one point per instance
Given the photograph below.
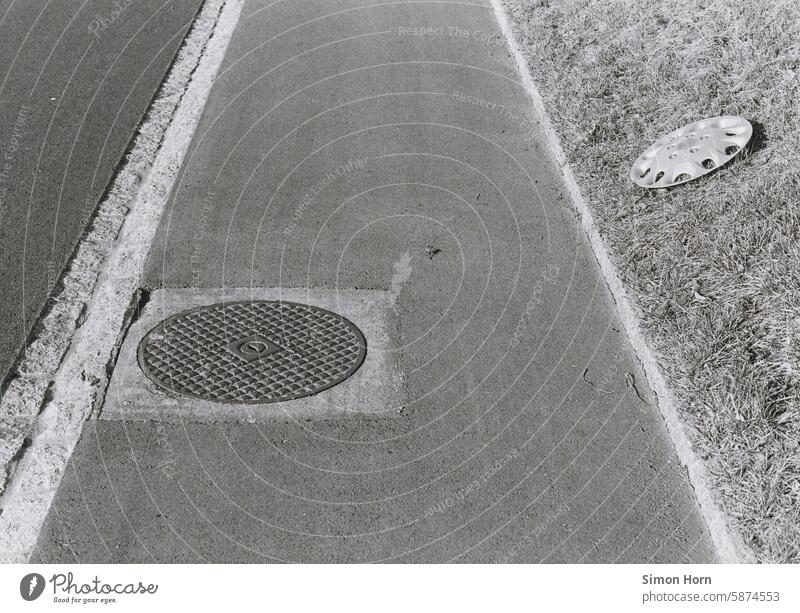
(75, 80)
(343, 149)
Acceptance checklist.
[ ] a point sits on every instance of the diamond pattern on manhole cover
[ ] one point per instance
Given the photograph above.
(252, 352)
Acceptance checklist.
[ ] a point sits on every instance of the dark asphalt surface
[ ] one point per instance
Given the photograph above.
(522, 438)
(75, 80)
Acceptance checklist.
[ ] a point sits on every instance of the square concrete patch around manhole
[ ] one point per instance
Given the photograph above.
(374, 390)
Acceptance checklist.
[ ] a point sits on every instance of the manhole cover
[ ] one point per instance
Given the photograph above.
(691, 151)
(252, 352)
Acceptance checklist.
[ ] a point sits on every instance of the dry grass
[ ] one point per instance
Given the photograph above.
(712, 266)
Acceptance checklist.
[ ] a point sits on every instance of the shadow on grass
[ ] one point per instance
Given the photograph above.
(759, 139)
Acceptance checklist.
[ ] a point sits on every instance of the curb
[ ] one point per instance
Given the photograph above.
(101, 280)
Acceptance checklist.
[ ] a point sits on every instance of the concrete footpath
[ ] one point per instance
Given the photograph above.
(386, 148)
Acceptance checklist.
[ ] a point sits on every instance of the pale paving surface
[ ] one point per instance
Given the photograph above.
(508, 449)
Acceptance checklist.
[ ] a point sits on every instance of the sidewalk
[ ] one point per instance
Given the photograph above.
(388, 148)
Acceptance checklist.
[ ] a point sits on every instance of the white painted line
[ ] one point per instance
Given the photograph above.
(374, 391)
(74, 355)
(729, 547)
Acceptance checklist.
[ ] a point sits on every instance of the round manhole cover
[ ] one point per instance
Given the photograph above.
(252, 352)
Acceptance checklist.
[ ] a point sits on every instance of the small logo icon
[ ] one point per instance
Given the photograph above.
(253, 347)
(31, 586)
